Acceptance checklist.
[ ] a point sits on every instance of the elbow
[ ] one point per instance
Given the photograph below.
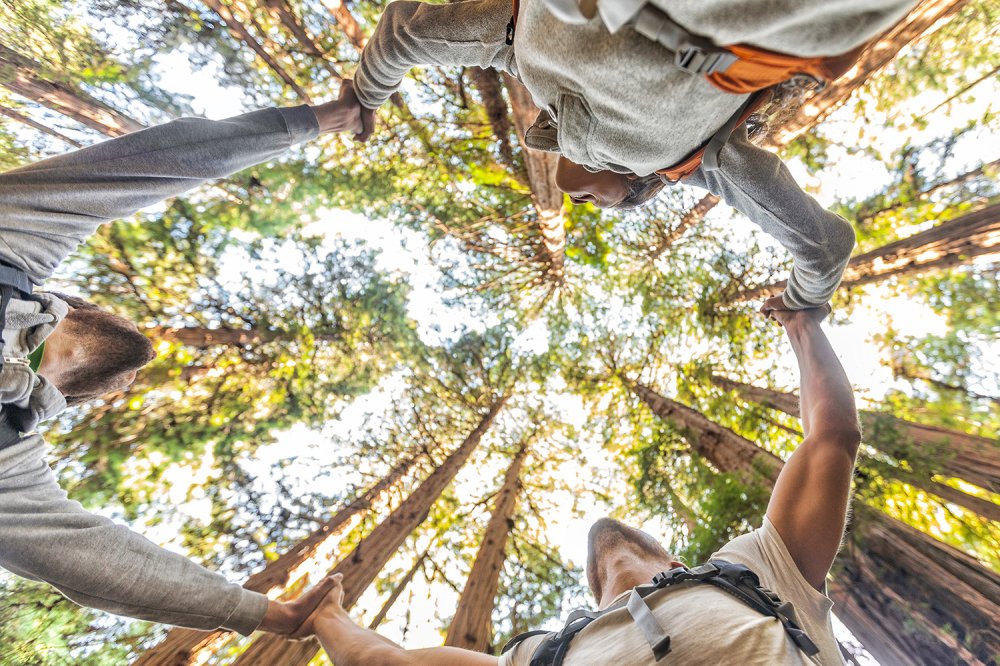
(842, 240)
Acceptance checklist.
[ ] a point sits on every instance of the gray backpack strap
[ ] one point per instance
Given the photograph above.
(692, 53)
(13, 283)
(650, 627)
(710, 158)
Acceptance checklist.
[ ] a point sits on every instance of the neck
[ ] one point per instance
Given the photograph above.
(624, 572)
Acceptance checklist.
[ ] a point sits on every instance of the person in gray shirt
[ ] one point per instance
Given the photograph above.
(59, 350)
(617, 108)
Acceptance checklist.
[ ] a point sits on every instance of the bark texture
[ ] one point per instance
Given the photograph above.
(471, 627)
(363, 564)
(722, 447)
(184, 647)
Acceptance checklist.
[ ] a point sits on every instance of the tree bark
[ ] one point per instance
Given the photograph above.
(363, 564)
(880, 53)
(24, 76)
(45, 129)
(471, 627)
(960, 455)
(727, 451)
(950, 243)
(913, 599)
(342, 15)
(924, 582)
(240, 32)
(183, 647)
(541, 168)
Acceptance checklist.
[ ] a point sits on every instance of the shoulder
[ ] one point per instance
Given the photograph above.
(766, 554)
(520, 654)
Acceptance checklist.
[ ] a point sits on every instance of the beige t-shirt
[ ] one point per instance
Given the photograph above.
(708, 626)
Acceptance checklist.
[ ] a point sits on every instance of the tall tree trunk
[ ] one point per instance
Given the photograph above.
(960, 455)
(240, 32)
(950, 243)
(913, 600)
(34, 124)
(920, 572)
(182, 647)
(284, 12)
(342, 15)
(541, 168)
(722, 447)
(398, 590)
(24, 76)
(363, 564)
(487, 82)
(471, 627)
(924, 18)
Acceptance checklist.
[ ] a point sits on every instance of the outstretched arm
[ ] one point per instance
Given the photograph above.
(409, 34)
(351, 645)
(97, 563)
(49, 207)
(759, 185)
(809, 504)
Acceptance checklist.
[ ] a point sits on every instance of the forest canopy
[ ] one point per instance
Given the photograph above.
(424, 326)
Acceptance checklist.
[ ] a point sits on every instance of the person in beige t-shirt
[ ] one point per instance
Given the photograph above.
(791, 553)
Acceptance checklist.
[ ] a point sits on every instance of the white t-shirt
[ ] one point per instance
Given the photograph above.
(707, 625)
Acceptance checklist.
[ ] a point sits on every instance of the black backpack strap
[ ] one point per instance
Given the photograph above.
(741, 582)
(520, 638)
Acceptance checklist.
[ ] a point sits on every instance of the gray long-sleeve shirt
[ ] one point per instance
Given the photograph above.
(621, 105)
(46, 209)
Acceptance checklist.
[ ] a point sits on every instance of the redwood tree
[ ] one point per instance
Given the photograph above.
(961, 591)
(363, 564)
(471, 627)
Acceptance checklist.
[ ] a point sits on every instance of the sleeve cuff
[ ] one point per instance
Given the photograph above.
(248, 614)
(301, 123)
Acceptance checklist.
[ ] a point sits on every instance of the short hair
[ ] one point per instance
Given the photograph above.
(114, 349)
(641, 190)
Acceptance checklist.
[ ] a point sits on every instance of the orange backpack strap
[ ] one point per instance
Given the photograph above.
(740, 69)
(708, 154)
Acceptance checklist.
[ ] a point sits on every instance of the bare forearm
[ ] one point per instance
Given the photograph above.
(348, 644)
(826, 396)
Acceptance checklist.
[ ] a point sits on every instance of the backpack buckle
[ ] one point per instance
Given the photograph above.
(696, 60)
(681, 574)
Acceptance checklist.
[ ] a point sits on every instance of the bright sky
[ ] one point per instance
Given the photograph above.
(404, 252)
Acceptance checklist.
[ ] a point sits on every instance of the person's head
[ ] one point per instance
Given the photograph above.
(92, 352)
(620, 557)
(605, 189)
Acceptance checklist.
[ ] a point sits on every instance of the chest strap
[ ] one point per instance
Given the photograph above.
(13, 283)
(735, 579)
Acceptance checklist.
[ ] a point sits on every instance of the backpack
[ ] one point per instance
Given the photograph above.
(735, 579)
(740, 69)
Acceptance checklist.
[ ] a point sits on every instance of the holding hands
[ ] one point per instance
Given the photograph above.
(345, 114)
(775, 308)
